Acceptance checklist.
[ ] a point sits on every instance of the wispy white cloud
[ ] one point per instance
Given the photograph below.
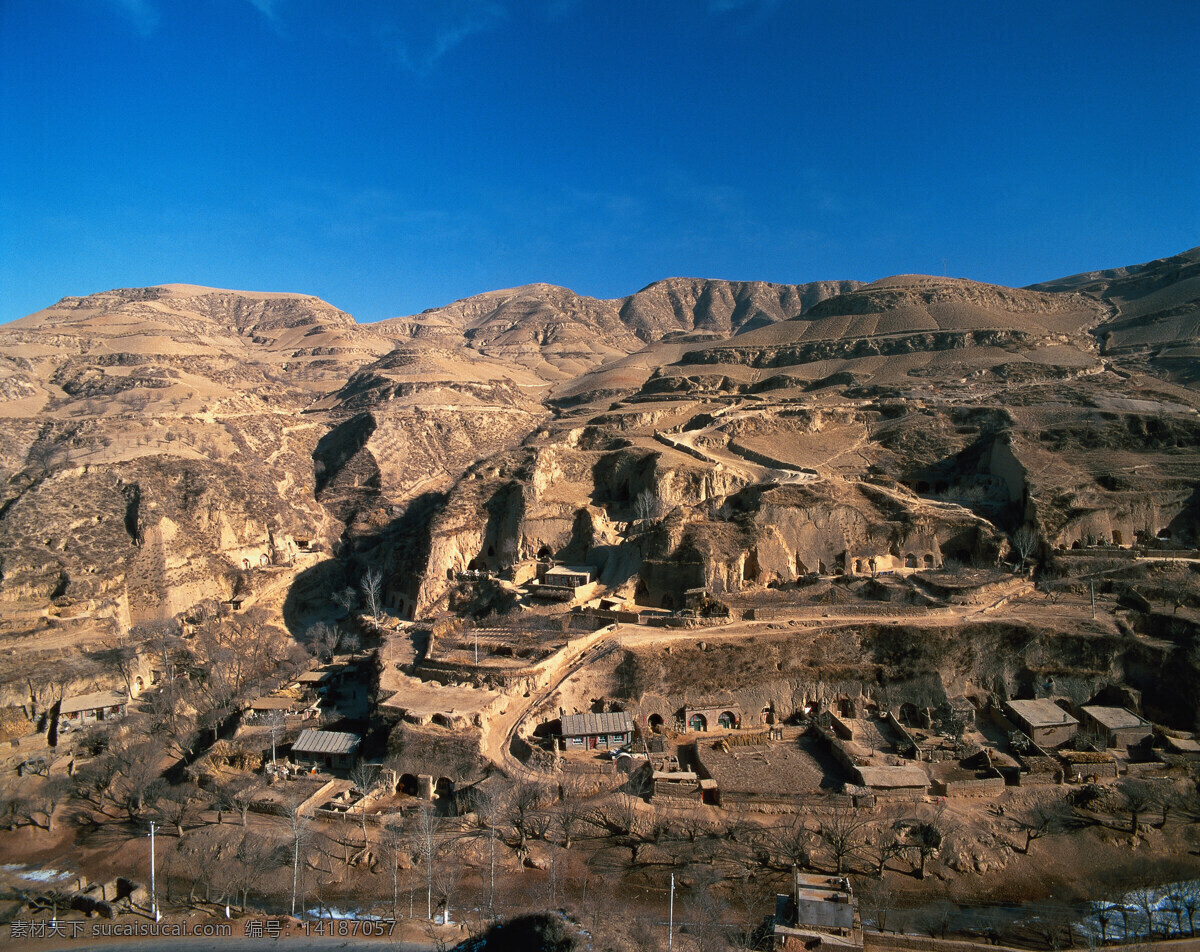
(749, 13)
(421, 34)
(268, 8)
(561, 9)
(731, 6)
(143, 14)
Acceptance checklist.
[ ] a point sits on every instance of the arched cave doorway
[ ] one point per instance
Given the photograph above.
(768, 715)
(544, 554)
(698, 722)
(656, 723)
(910, 561)
(727, 720)
(407, 785)
(928, 561)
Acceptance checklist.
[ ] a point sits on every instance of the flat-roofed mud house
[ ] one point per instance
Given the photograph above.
(92, 708)
(821, 913)
(1042, 721)
(332, 750)
(596, 731)
(563, 582)
(567, 576)
(1120, 728)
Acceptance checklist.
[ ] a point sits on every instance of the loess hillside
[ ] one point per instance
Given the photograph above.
(170, 445)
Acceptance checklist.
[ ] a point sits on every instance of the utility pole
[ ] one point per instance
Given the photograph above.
(1093, 599)
(671, 916)
(153, 894)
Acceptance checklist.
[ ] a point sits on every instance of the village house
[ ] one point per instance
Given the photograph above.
(332, 750)
(592, 731)
(86, 709)
(1119, 727)
(318, 682)
(265, 706)
(821, 913)
(564, 576)
(1042, 721)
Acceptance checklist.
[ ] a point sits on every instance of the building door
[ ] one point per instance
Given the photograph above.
(591, 742)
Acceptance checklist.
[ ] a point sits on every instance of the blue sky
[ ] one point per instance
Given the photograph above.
(393, 156)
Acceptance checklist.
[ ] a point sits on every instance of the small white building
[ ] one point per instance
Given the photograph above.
(86, 709)
(567, 576)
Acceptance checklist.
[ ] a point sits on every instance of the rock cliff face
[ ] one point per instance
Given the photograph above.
(894, 426)
(163, 446)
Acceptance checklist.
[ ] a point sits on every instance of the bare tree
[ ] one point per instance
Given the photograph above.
(276, 723)
(925, 839)
(571, 809)
(648, 505)
(1042, 818)
(13, 805)
(706, 912)
(48, 797)
(447, 877)
(875, 901)
(883, 842)
(793, 841)
(136, 785)
(347, 598)
(1179, 585)
(204, 850)
(364, 776)
(121, 657)
(253, 855)
(424, 832)
(842, 833)
(1103, 912)
(298, 828)
(521, 804)
(372, 589)
(1189, 901)
(1168, 797)
(488, 808)
(323, 640)
(243, 795)
(393, 845)
(173, 805)
(1139, 797)
(1025, 541)
(1145, 897)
